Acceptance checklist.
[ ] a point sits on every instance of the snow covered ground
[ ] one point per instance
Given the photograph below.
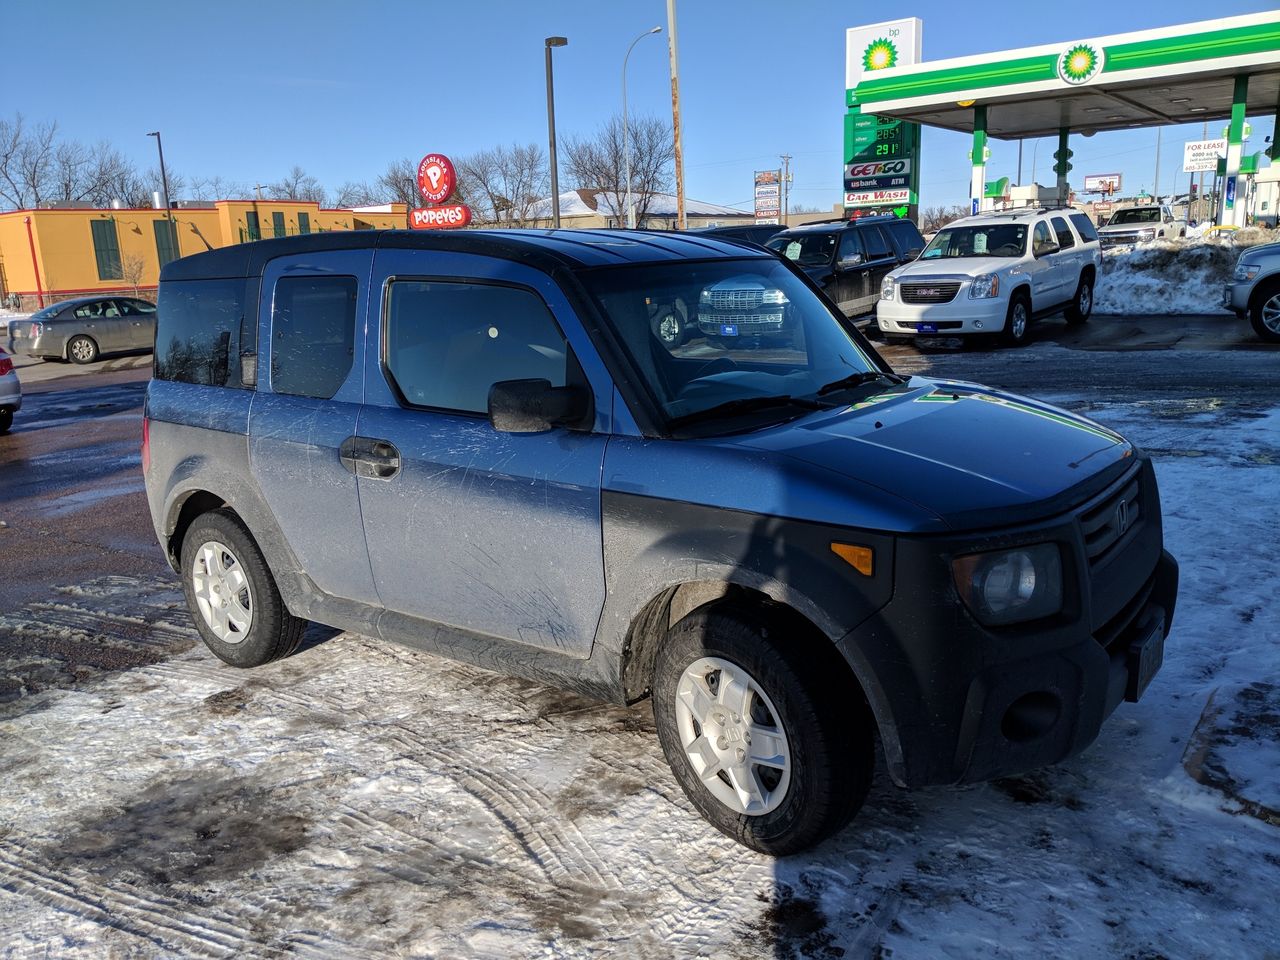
(359, 799)
(1172, 276)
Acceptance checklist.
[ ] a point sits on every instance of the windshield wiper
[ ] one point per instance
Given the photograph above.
(745, 405)
(857, 379)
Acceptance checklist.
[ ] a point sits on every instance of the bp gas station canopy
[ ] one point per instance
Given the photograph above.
(1213, 70)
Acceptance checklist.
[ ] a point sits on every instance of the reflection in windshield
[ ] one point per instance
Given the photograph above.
(1150, 215)
(985, 240)
(747, 329)
(806, 249)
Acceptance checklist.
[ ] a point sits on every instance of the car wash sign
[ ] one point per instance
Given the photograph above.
(437, 181)
(881, 155)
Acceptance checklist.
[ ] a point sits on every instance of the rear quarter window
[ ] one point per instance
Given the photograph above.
(1084, 227)
(907, 236)
(313, 331)
(198, 331)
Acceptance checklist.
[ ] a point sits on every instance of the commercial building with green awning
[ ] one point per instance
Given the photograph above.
(1212, 70)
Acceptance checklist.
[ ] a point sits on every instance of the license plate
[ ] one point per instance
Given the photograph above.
(728, 329)
(927, 328)
(1145, 657)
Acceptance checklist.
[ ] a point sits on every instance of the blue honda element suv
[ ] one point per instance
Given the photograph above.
(481, 445)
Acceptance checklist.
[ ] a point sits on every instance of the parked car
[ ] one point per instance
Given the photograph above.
(1254, 290)
(1140, 224)
(473, 444)
(10, 392)
(849, 258)
(995, 273)
(757, 233)
(81, 330)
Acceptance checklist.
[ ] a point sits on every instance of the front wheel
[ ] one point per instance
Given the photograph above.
(1017, 321)
(82, 349)
(232, 597)
(1265, 314)
(759, 732)
(1081, 304)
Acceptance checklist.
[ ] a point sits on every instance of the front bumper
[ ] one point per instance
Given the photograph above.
(10, 392)
(958, 702)
(1235, 296)
(960, 316)
(762, 321)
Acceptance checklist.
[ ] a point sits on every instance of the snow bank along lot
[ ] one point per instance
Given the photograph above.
(1173, 276)
(359, 799)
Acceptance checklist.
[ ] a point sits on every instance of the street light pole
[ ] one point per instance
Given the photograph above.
(551, 132)
(626, 142)
(164, 179)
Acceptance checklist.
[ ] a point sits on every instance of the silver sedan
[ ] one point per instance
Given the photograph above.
(81, 330)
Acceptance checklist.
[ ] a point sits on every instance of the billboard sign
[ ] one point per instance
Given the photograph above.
(1201, 156)
(1102, 183)
(768, 194)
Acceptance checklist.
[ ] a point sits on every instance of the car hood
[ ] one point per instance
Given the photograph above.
(1129, 227)
(972, 456)
(1263, 251)
(953, 268)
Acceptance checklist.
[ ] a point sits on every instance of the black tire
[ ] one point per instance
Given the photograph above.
(1015, 332)
(1264, 313)
(82, 349)
(6, 420)
(273, 632)
(832, 756)
(1081, 307)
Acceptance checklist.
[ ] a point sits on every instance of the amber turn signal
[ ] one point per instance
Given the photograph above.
(861, 559)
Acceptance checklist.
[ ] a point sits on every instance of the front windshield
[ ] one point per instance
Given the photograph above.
(706, 333)
(1149, 215)
(806, 249)
(985, 240)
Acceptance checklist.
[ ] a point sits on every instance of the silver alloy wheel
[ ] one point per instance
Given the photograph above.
(1270, 312)
(732, 736)
(81, 350)
(669, 329)
(1085, 304)
(222, 592)
(1018, 322)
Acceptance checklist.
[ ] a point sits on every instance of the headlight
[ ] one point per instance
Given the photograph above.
(1011, 586)
(774, 297)
(1246, 271)
(984, 287)
(704, 296)
(1146, 234)
(886, 288)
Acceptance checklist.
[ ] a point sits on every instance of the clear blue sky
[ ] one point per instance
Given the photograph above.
(340, 88)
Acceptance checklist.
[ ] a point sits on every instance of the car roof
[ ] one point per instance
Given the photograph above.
(539, 248)
(832, 226)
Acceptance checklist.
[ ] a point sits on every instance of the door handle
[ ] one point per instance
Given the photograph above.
(370, 458)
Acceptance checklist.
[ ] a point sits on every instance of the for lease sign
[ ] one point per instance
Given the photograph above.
(874, 197)
(1202, 155)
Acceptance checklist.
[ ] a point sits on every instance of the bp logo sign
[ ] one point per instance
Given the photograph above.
(1080, 63)
(880, 55)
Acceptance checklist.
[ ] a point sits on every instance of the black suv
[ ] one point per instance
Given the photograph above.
(757, 233)
(849, 258)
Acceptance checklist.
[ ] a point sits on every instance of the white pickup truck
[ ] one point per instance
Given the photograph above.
(1138, 224)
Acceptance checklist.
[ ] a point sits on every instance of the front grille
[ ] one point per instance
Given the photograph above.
(930, 292)
(1105, 524)
(747, 323)
(734, 299)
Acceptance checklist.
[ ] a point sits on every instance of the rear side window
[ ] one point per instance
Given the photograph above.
(850, 245)
(877, 245)
(1085, 226)
(1065, 239)
(447, 342)
(906, 235)
(313, 334)
(198, 331)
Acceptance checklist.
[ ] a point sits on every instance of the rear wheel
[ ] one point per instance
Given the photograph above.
(232, 597)
(1017, 321)
(761, 734)
(1082, 303)
(82, 349)
(1265, 314)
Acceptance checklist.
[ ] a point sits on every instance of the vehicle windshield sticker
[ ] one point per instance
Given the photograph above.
(793, 250)
(979, 243)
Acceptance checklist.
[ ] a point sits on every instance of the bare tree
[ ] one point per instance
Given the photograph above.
(362, 194)
(132, 266)
(298, 185)
(214, 188)
(26, 162)
(598, 162)
(504, 184)
(399, 182)
(933, 219)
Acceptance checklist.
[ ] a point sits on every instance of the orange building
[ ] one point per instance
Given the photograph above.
(66, 251)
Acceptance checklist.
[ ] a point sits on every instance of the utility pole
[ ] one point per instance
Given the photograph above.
(786, 187)
(551, 131)
(681, 222)
(258, 187)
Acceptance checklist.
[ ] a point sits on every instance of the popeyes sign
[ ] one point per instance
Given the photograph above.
(436, 181)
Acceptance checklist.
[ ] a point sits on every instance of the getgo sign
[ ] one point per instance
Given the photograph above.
(878, 168)
(437, 181)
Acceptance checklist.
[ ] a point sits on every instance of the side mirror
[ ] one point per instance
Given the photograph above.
(1047, 248)
(1168, 219)
(852, 260)
(534, 406)
(914, 253)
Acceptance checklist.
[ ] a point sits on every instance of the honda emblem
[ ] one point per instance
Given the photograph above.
(1122, 517)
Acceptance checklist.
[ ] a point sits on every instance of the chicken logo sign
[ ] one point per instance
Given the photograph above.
(437, 181)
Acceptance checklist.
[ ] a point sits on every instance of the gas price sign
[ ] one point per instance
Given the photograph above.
(881, 161)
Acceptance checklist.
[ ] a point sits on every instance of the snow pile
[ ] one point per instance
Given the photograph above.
(1172, 276)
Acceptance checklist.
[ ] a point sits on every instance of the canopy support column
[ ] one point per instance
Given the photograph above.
(1234, 209)
(977, 181)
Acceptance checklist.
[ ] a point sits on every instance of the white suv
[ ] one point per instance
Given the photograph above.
(995, 273)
